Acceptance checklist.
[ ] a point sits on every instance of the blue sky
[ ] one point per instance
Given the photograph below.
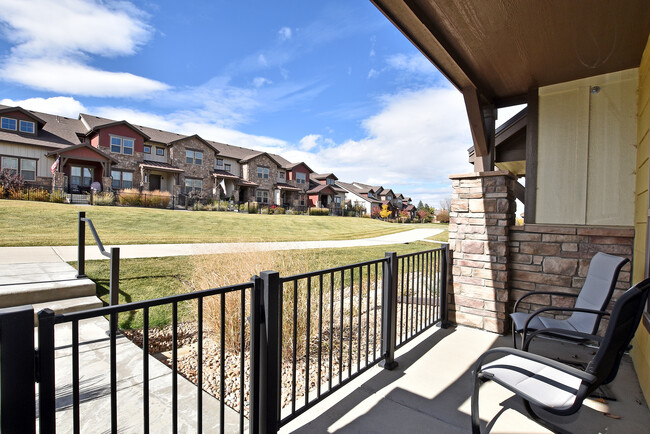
(331, 83)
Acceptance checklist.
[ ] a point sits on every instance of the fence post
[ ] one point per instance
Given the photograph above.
(257, 324)
(444, 279)
(114, 285)
(389, 312)
(45, 372)
(81, 246)
(17, 396)
(270, 354)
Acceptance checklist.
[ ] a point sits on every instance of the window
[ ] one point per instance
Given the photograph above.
(193, 157)
(302, 200)
(262, 196)
(193, 185)
(330, 181)
(10, 164)
(282, 176)
(28, 169)
(122, 145)
(160, 151)
(227, 166)
(82, 176)
(263, 172)
(389, 197)
(301, 177)
(121, 179)
(219, 162)
(9, 124)
(27, 127)
(337, 200)
(147, 149)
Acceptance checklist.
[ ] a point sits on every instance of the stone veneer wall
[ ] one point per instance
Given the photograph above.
(556, 258)
(494, 262)
(264, 184)
(203, 171)
(482, 211)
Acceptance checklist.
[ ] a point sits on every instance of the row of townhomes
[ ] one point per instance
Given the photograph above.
(72, 154)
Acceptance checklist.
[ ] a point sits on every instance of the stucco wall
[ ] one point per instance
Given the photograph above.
(641, 344)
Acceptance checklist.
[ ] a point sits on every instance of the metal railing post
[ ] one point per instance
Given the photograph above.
(114, 285)
(81, 246)
(269, 360)
(257, 326)
(389, 312)
(45, 370)
(444, 314)
(17, 373)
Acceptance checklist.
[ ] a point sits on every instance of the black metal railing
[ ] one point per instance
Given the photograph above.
(114, 256)
(299, 338)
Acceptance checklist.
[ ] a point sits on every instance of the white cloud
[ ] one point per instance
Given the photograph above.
(61, 105)
(373, 73)
(53, 43)
(413, 63)
(63, 76)
(261, 59)
(284, 33)
(312, 141)
(261, 81)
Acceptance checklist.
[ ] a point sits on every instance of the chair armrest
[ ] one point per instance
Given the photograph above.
(550, 331)
(584, 376)
(563, 294)
(560, 309)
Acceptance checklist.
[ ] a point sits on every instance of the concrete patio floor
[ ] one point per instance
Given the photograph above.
(430, 392)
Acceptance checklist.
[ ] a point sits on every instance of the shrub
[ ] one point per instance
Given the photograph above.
(385, 212)
(423, 214)
(365, 216)
(38, 194)
(443, 216)
(105, 198)
(16, 194)
(10, 180)
(319, 211)
(376, 211)
(280, 210)
(290, 211)
(252, 209)
(129, 197)
(57, 196)
(157, 199)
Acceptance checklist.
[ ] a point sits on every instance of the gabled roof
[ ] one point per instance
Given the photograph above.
(58, 132)
(321, 176)
(283, 186)
(249, 157)
(95, 123)
(27, 113)
(199, 138)
(321, 189)
(82, 145)
(361, 192)
(292, 166)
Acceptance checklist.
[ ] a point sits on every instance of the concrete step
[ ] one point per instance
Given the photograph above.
(18, 294)
(70, 305)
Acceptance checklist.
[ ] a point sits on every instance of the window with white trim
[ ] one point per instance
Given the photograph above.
(262, 196)
(9, 124)
(80, 175)
(193, 157)
(192, 184)
(282, 176)
(301, 177)
(27, 127)
(28, 169)
(227, 167)
(262, 172)
(122, 145)
(337, 200)
(121, 179)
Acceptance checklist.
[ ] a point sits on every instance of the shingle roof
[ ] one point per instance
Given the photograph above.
(224, 174)
(323, 176)
(160, 165)
(58, 132)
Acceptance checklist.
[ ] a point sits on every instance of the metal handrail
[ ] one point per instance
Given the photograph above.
(94, 232)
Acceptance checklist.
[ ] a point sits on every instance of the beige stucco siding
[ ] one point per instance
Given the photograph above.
(586, 151)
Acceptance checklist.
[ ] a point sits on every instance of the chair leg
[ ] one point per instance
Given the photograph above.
(514, 336)
(549, 426)
(476, 421)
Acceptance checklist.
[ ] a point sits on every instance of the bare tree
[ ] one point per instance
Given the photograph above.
(446, 204)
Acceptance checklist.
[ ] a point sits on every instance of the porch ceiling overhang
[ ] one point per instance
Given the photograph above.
(70, 151)
(503, 48)
(163, 167)
(287, 187)
(246, 183)
(224, 174)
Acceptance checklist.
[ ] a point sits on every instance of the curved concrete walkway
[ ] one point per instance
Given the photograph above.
(22, 255)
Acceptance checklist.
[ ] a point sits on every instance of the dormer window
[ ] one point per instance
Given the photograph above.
(9, 124)
(389, 197)
(330, 181)
(122, 145)
(370, 194)
(27, 127)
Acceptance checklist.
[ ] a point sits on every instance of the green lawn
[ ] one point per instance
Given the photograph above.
(144, 279)
(27, 223)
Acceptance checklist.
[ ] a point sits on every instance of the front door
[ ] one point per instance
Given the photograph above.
(80, 178)
(154, 182)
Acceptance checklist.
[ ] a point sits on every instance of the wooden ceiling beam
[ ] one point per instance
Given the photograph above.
(476, 121)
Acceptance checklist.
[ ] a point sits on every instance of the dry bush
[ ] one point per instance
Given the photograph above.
(156, 199)
(129, 196)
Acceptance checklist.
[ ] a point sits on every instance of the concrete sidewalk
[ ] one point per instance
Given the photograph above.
(21, 255)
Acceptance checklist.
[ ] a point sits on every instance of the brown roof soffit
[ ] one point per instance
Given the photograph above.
(199, 138)
(111, 124)
(38, 120)
(82, 145)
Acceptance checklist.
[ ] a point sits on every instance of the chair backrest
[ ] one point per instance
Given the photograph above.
(623, 323)
(597, 290)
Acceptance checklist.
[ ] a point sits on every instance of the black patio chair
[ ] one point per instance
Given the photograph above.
(594, 296)
(556, 387)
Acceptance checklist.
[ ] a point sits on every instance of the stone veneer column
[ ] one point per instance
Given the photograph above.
(482, 210)
(58, 180)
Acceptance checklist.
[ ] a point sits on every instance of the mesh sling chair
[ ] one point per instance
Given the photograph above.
(554, 386)
(594, 296)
